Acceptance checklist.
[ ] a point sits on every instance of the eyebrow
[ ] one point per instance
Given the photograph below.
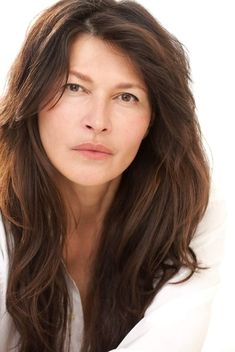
(124, 85)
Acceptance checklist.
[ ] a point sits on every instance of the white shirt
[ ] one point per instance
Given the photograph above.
(177, 319)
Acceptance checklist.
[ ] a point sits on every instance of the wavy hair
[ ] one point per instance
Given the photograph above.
(160, 200)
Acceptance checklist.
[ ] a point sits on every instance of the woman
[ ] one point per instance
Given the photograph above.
(107, 238)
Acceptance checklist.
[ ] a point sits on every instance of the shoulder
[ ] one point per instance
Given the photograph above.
(4, 263)
(9, 337)
(178, 318)
(209, 239)
(208, 245)
(3, 244)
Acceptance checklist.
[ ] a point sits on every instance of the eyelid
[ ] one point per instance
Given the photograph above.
(136, 99)
(74, 84)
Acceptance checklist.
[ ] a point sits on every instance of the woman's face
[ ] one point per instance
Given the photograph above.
(105, 103)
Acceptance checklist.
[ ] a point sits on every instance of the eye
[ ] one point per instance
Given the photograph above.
(73, 87)
(128, 98)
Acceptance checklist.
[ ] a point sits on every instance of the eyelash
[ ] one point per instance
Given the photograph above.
(77, 86)
(69, 85)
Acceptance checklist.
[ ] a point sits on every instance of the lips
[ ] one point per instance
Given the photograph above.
(99, 148)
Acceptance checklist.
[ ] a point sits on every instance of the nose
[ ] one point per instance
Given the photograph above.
(97, 118)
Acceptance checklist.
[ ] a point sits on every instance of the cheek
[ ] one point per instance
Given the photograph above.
(135, 131)
(132, 138)
(51, 127)
(45, 127)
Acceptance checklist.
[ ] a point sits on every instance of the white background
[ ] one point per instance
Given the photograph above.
(207, 30)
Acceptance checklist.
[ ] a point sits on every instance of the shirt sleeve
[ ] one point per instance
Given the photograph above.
(8, 335)
(3, 268)
(179, 316)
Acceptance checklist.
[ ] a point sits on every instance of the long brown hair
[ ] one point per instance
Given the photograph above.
(161, 198)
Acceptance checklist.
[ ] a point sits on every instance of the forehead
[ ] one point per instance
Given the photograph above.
(101, 59)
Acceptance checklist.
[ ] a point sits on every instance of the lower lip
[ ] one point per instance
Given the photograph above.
(93, 154)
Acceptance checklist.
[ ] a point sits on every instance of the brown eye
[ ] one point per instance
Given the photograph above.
(127, 97)
(73, 87)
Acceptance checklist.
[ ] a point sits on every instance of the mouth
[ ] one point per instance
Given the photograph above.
(93, 151)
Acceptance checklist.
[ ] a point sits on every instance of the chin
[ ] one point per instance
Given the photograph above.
(90, 182)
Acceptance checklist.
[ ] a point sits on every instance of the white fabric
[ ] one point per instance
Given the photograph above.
(178, 318)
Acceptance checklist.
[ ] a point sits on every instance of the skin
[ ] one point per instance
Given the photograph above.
(94, 111)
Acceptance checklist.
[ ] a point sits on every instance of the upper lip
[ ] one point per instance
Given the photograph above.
(94, 147)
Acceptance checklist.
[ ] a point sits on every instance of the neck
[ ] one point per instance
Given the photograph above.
(89, 204)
